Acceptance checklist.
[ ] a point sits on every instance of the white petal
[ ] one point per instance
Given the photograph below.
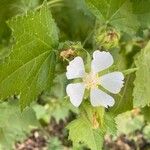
(113, 82)
(75, 69)
(75, 92)
(100, 98)
(101, 61)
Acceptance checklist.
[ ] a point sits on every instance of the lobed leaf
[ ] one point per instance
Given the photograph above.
(30, 67)
(91, 126)
(124, 100)
(81, 131)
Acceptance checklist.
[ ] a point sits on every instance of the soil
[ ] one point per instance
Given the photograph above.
(36, 141)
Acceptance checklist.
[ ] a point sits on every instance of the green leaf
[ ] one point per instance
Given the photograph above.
(128, 124)
(125, 15)
(6, 11)
(124, 100)
(141, 91)
(75, 21)
(141, 10)
(14, 125)
(4, 52)
(110, 124)
(54, 108)
(146, 112)
(9, 8)
(146, 132)
(105, 9)
(54, 144)
(81, 131)
(30, 67)
(91, 127)
(56, 105)
(26, 5)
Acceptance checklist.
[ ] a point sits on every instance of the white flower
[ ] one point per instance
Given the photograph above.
(113, 82)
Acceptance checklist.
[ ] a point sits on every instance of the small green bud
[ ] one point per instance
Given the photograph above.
(106, 38)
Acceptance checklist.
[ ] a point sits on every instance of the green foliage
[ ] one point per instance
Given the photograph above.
(25, 5)
(56, 105)
(54, 144)
(4, 52)
(58, 109)
(124, 100)
(34, 66)
(142, 89)
(93, 123)
(15, 125)
(30, 67)
(146, 113)
(146, 131)
(80, 130)
(127, 123)
(6, 11)
(74, 20)
(9, 8)
(125, 15)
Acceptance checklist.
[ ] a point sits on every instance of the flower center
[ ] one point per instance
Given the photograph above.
(91, 80)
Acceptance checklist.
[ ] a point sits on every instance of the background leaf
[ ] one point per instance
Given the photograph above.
(146, 112)
(9, 8)
(15, 125)
(127, 123)
(74, 20)
(126, 15)
(141, 91)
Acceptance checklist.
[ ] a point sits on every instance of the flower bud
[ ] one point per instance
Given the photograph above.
(106, 38)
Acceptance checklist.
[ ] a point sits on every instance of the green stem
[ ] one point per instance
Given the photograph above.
(88, 37)
(129, 71)
(53, 3)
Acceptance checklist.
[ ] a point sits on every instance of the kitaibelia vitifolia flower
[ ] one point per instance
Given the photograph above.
(112, 82)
